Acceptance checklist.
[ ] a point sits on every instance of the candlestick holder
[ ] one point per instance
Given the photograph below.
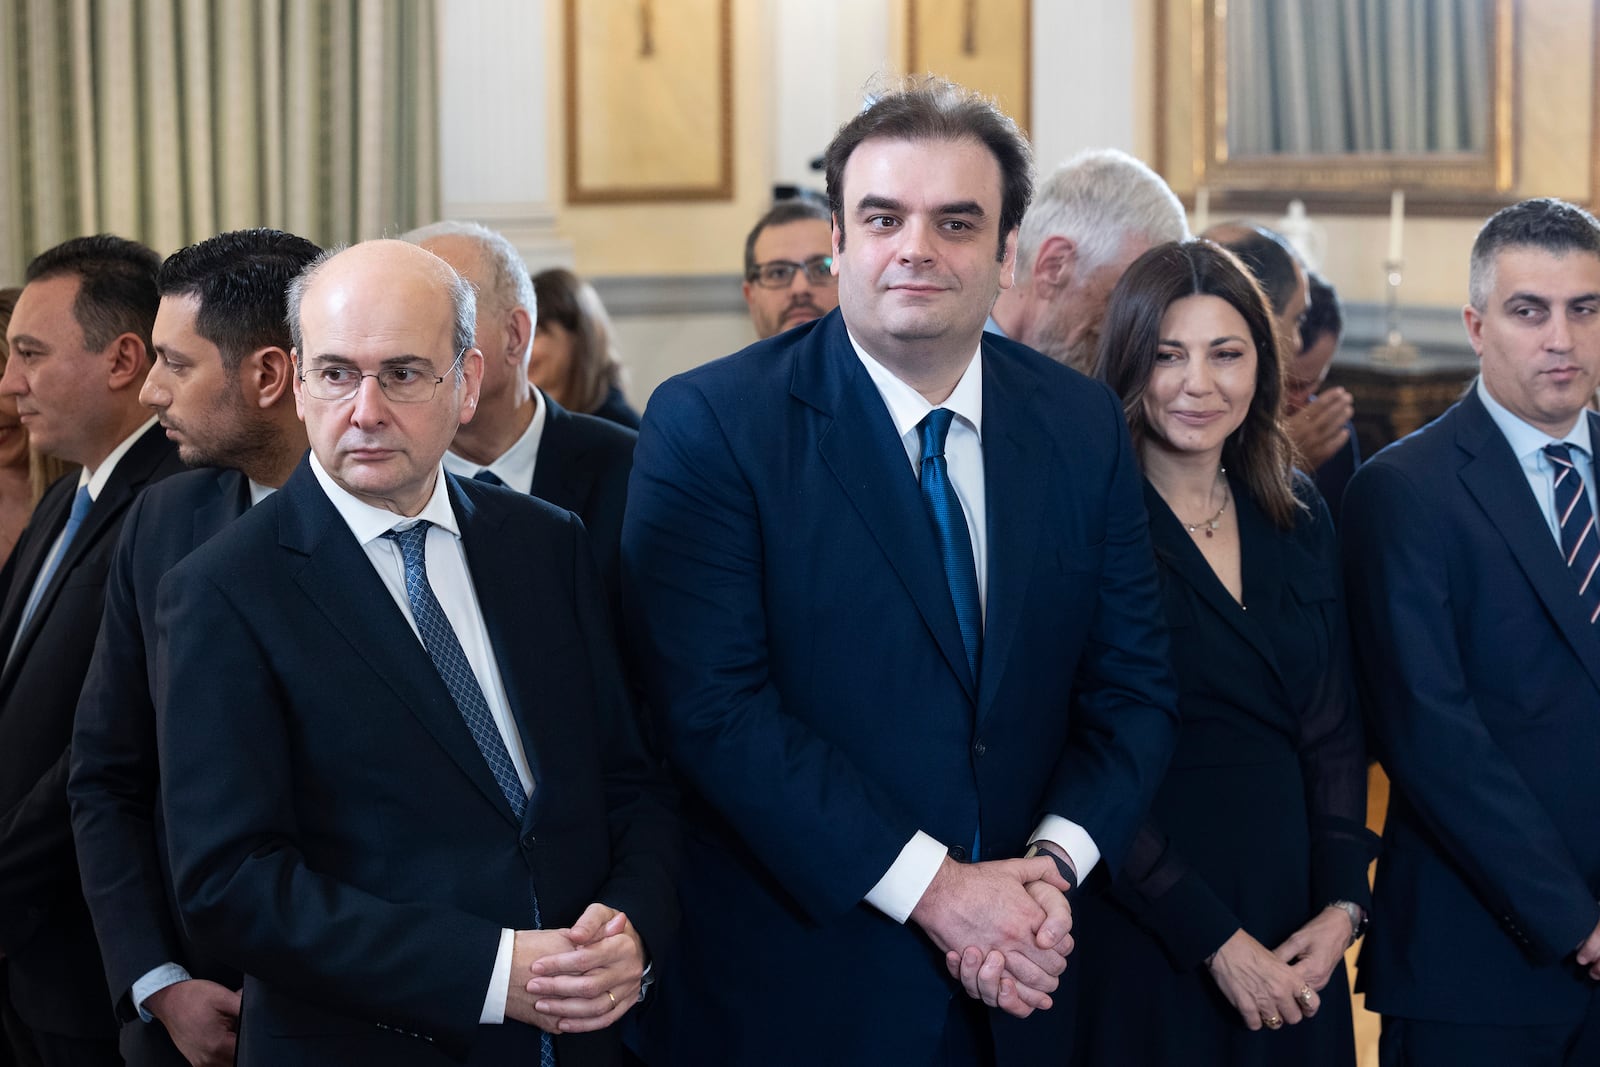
(1395, 348)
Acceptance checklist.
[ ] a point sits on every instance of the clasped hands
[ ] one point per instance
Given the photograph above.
(1271, 988)
(1005, 928)
(578, 979)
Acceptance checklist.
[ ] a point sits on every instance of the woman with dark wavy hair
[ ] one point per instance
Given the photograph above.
(1223, 939)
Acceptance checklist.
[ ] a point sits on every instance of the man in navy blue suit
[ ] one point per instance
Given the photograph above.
(421, 842)
(1471, 555)
(880, 690)
(221, 387)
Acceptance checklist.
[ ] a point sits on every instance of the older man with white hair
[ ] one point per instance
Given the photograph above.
(1092, 217)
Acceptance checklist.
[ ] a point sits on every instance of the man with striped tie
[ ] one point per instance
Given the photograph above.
(1471, 555)
(422, 842)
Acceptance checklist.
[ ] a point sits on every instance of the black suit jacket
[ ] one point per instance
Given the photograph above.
(45, 931)
(335, 832)
(1480, 675)
(583, 466)
(117, 819)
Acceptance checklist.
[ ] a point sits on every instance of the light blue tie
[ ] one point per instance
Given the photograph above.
(950, 527)
(81, 503)
(439, 638)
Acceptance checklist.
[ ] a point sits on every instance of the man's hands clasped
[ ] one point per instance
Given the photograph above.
(579, 979)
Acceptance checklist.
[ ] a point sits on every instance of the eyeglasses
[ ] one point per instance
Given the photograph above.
(403, 385)
(779, 273)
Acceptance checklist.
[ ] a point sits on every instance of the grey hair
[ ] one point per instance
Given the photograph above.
(513, 286)
(1545, 223)
(1099, 198)
(463, 304)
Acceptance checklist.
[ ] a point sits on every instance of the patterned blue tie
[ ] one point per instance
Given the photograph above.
(439, 638)
(1580, 542)
(950, 527)
(80, 508)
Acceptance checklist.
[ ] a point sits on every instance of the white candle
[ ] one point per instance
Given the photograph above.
(1202, 209)
(1397, 224)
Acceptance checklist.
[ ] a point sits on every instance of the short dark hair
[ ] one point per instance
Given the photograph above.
(116, 286)
(1324, 313)
(242, 281)
(800, 208)
(1544, 223)
(1259, 450)
(933, 109)
(1268, 257)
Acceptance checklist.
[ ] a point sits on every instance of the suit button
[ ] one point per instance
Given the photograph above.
(958, 853)
(528, 840)
(979, 748)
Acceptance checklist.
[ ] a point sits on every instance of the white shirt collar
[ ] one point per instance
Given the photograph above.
(96, 479)
(1526, 440)
(516, 465)
(369, 523)
(907, 407)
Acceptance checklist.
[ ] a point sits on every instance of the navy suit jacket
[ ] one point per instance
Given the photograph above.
(801, 651)
(335, 832)
(117, 819)
(583, 466)
(45, 930)
(1480, 676)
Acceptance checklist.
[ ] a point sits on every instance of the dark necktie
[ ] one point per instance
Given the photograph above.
(950, 527)
(1580, 542)
(439, 638)
(489, 476)
(80, 508)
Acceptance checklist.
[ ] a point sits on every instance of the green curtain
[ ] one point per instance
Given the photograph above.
(1345, 76)
(172, 120)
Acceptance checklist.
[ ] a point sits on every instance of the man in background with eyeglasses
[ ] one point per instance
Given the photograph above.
(788, 266)
(405, 791)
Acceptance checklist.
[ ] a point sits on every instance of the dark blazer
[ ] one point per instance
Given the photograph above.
(583, 466)
(1480, 676)
(801, 651)
(1335, 473)
(335, 832)
(56, 981)
(117, 819)
(615, 408)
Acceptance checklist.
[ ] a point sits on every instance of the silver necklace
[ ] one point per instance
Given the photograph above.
(1214, 522)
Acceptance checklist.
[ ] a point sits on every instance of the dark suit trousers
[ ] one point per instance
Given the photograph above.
(1422, 1043)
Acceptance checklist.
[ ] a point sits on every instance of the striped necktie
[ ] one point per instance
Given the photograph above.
(1580, 542)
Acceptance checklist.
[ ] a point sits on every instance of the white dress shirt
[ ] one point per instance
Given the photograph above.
(902, 886)
(515, 466)
(1528, 443)
(452, 585)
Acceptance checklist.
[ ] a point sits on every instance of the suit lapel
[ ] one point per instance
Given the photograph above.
(1014, 444)
(232, 499)
(43, 529)
(339, 580)
(557, 478)
(1496, 480)
(859, 446)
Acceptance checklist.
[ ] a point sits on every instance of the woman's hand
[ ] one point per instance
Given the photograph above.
(1264, 989)
(1314, 950)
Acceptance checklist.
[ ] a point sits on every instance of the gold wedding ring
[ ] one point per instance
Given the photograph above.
(613, 997)
(1272, 1022)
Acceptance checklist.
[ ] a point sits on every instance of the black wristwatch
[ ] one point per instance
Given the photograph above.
(1061, 865)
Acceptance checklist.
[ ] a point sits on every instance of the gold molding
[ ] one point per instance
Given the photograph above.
(1490, 173)
(719, 189)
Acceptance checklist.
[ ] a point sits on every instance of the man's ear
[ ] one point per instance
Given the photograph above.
(127, 362)
(266, 376)
(1056, 262)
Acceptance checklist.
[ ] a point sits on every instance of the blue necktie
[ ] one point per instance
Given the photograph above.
(80, 507)
(439, 638)
(489, 476)
(1580, 541)
(950, 527)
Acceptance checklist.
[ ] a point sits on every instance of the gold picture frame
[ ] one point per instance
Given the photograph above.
(985, 45)
(649, 101)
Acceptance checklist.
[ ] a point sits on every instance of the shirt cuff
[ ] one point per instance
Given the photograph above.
(903, 884)
(1074, 841)
(154, 981)
(494, 1004)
